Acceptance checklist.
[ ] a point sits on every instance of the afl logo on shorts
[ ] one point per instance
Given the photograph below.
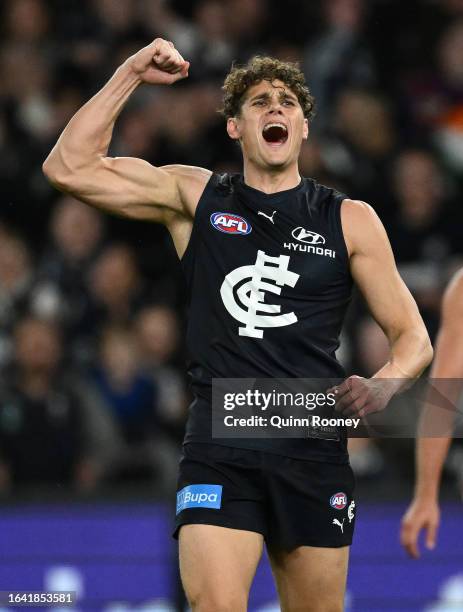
(338, 501)
(230, 224)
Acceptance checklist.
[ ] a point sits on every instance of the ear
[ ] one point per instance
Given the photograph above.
(305, 131)
(233, 128)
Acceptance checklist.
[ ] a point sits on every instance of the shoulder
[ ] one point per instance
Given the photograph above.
(191, 182)
(322, 192)
(362, 228)
(357, 210)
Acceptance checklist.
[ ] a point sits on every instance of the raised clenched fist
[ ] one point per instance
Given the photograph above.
(159, 63)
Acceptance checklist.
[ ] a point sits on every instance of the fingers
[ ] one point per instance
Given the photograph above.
(409, 538)
(361, 396)
(351, 396)
(167, 58)
(342, 389)
(182, 74)
(431, 536)
(350, 403)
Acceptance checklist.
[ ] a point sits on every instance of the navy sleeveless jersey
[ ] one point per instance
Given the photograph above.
(247, 322)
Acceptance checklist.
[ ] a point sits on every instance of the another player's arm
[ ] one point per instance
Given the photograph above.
(374, 271)
(79, 164)
(423, 512)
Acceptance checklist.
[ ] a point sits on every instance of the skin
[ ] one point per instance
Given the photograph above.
(267, 166)
(423, 512)
(218, 564)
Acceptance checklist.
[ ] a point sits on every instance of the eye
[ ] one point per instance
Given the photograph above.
(289, 102)
(259, 103)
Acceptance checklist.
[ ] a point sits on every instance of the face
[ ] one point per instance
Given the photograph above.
(76, 229)
(157, 330)
(119, 355)
(271, 126)
(37, 346)
(419, 185)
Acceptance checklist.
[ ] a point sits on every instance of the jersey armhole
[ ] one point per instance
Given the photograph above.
(342, 240)
(188, 253)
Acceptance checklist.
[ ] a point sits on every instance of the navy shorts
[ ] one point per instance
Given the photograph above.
(291, 502)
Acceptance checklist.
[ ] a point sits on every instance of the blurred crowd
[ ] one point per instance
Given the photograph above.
(92, 378)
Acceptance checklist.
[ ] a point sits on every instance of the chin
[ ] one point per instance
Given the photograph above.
(278, 163)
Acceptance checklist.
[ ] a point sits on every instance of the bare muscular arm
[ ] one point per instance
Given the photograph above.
(392, 306)
(423, 512)
(130, 187)
(390, 302)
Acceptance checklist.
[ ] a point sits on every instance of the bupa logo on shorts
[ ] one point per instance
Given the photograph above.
(338, 501)
(199, 496)
(230, 224)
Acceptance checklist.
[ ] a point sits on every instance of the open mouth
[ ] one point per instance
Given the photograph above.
(275, 133)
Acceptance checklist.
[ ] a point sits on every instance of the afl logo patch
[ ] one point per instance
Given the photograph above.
(230, 224)
(338, 501)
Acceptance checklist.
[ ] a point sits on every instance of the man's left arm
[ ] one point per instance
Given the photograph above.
(391, 304)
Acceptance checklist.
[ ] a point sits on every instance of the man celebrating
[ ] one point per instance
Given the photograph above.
(269, 259)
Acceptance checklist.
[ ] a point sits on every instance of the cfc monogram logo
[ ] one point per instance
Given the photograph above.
(248, 303)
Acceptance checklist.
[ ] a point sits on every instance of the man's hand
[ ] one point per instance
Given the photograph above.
(420, 515)
(159, 63)
(360, 396)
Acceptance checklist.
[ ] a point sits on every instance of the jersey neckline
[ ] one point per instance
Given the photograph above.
(267, 198)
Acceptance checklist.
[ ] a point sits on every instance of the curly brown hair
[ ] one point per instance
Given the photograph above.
(260, 68)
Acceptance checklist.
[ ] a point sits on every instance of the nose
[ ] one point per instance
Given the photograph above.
(275, 104)
(275, 107)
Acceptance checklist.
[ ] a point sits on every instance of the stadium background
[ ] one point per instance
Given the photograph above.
(93, 395)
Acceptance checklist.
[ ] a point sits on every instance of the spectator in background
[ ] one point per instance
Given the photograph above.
(246, 24)
(132, 399)
(339, 59)
(76, 238)
(159, 17)
(116, 291)
(157, 330)
(360, 146)
(26, 21)
(212, 46)
(16, 280)
(434, 98)
(421, 232)
(52, 428)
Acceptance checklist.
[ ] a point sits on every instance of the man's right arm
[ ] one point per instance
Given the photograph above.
(130, 187)
(431, 452)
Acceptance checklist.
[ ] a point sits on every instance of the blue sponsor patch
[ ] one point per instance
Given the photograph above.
(199, 496)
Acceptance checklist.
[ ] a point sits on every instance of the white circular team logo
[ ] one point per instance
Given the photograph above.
(245, 300)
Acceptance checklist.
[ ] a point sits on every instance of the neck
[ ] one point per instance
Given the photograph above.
(271, 181)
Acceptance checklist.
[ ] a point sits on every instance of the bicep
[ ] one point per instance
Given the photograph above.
(375, 273)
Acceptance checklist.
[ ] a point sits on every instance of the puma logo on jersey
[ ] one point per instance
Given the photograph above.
(246, 301)
(269, 217)
(340, 523)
